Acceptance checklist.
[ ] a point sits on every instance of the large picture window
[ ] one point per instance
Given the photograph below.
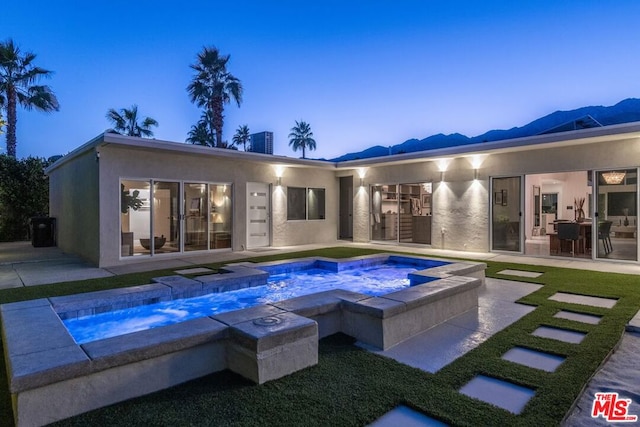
(305, 203)
(296, 204)
(315, 203)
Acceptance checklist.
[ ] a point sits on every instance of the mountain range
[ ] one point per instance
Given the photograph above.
(625, 111)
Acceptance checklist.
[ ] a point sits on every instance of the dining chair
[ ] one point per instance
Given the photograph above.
(604, 234)
(570, 231)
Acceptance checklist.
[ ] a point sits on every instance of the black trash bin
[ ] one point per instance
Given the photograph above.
(43, 231)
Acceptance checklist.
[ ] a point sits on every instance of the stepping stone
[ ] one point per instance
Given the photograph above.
(534, 359)
(591, 319)
(405, 417)
(520, 273)
(583, 300)
(500, 393)
(634, 324)
(197, 270)
(565, 335)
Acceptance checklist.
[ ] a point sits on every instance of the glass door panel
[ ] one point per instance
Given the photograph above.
(220, 216)
(166, 214)
(135, 218)
(196, 209)
(617, 214)
(415, 213)
(384, 212)
(506, 214)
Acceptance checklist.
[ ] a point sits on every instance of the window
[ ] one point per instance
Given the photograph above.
(305, 203)
(315, 202)
(296, 204)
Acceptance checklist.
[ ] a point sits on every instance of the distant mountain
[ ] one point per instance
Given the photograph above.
(623, 112)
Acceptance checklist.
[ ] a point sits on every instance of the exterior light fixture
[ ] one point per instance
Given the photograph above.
(613, 177)
(361, 182)
(475, 174)
(441, 175)
(279, 181)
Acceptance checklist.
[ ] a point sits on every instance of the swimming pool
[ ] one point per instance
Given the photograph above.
(372, 280)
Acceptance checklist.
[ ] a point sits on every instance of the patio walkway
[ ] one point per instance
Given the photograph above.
(23, 265)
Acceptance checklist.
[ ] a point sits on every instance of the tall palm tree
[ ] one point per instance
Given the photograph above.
(213, 86)
(242, 136)
(18, 76)
(126, 122)
(302, 137)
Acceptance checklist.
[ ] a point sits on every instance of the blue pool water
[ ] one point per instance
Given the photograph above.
(375, 281)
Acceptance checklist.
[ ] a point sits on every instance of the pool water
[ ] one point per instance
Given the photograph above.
(375, 281)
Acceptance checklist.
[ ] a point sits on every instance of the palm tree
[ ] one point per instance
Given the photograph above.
(199, 135)
(126, 122)
(302, 137)
(17, 78)
(213, 86)
(2, 123)
(242, 136)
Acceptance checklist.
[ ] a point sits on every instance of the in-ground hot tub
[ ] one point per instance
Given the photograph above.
(52, 377)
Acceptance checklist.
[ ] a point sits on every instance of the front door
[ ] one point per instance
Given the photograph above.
(258, 211)
(506, 214)
(346, 207)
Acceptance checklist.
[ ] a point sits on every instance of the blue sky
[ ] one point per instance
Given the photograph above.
(362, 73)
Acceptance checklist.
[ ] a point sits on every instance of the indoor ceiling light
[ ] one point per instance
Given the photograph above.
(613, 177)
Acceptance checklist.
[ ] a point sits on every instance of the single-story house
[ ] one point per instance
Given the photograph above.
(120, 199)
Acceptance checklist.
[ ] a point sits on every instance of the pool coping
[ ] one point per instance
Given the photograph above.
(42, 358)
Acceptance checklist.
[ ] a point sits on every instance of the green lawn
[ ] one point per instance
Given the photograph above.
(350, 386)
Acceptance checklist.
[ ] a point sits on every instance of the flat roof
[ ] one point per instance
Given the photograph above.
(536, 142)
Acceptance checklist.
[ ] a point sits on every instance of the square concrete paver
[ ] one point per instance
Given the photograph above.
(196, 270)
(572, 337)
(634, 324)
(534, 359)
(520, 273)
(405, 417)
(500, 393)
(591, 319)
(583, 300)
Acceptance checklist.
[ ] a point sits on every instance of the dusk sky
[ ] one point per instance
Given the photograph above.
(362, 73)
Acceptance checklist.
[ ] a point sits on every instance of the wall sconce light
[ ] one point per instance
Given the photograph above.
(441, 175)
(97, 156)
(279, 181)
(475, 174)
(361, 182)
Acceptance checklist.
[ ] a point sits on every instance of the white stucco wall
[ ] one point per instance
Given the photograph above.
(461, 206)
(74, 202)
(144, 163)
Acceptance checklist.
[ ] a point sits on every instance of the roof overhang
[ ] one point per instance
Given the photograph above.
(113, 139)
(537, 142)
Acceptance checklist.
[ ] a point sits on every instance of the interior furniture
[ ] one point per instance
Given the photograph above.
(571, 231)
(422, 229)
(127, 243)
(604, 231)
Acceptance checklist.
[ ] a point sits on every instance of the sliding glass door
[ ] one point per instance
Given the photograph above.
(159, 217)
(616, 214)
(506, 214)
(401, 213)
